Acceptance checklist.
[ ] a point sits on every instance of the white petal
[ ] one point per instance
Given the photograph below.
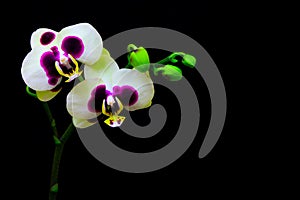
(47, 95)
(78, 98)
(36, 37)
(103, 68)
(140, 82)
(33, 73)
(82, 123)
(91, 39)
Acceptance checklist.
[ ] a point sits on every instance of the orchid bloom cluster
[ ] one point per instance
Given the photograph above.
(55, 60)
(103, 89)
(58, 58)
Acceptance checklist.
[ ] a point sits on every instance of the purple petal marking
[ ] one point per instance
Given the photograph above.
(47, 37)
(98, 94)
(72, 45)
(126, 94)
(55, 52)
(47, 62)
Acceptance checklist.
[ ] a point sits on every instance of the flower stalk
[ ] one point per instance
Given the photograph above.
(56, 161)
(50, 117)
(104, 88)
(59, 146)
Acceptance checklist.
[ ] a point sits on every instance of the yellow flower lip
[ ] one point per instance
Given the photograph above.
(114, 119)
(75, 72)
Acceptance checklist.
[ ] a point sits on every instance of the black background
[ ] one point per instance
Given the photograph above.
(231, 168)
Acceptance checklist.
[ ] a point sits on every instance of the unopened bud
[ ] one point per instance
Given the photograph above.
(170, 72)
(139, 59)
(189, 60)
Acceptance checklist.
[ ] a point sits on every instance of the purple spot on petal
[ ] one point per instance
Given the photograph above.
(47, 62)
(98, 94)
(52, 81)
(116, 90)
(47, 38)
(73, 45)
(55, 52)
(126, 94)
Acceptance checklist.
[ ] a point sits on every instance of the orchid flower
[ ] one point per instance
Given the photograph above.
(55, 56)
(107, 90)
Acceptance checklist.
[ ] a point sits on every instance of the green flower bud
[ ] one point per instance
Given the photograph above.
(139, 59)
(189, 60)
(170, 72)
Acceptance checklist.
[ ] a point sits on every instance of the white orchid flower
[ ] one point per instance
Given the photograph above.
(55, 57)
(108, 90)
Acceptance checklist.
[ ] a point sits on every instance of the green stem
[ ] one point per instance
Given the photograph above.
(163, 61)
(54, 173)
(171, 58)
(47, 110)
(59, 145)
(50, 117)
(56, 162)
(30, 93)
(67, 133)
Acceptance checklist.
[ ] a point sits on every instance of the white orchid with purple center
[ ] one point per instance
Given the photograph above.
(107, 90)
(103, 90)
(55, 57)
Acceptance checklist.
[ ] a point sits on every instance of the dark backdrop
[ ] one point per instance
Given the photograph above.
(226, 169)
